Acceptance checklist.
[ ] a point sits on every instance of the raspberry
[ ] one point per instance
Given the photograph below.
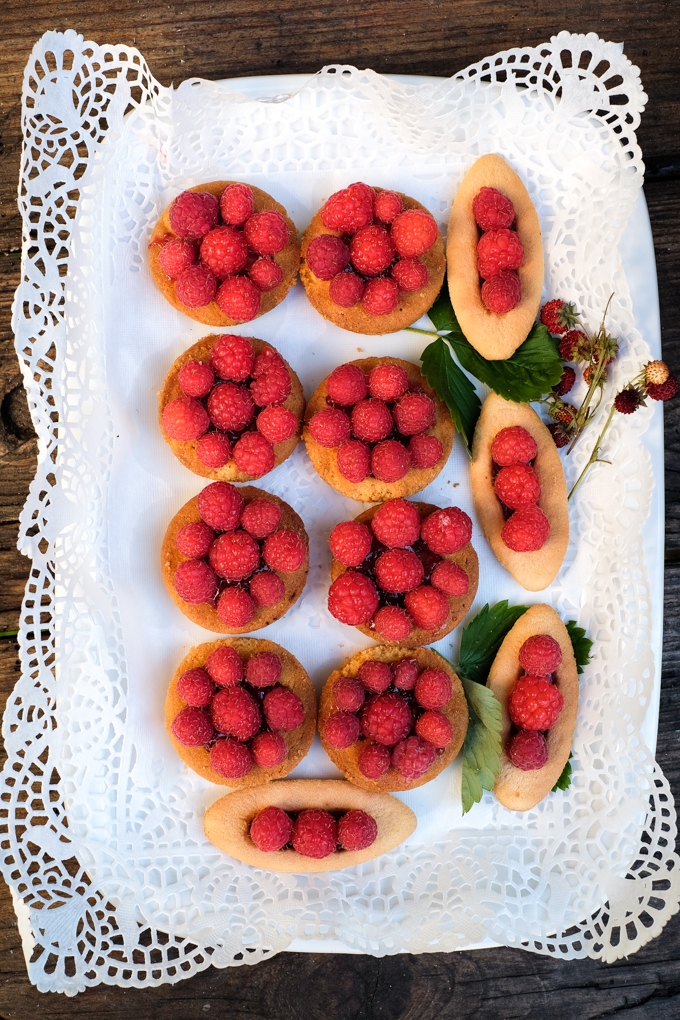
(499, 250)
(224, 251)
(277, 424)
(346, 289)
(435, 728)
(374, 761)
(392, 623)
(175, 256)
(517, 486)
(390, 461)
(225, 666)
(341, 730)
(195, 582)
(269, 750)
(414, 413)
(663, 391)
(220, 505)
(534, 703)
(236, 713)
(185, 419)
(192, 727)
(348, 694)
(446, 531)
(410, 274)
(380, 296)
(513, 445)
(413, 232)
(357, 830)
(231, 759)
(285, 551)
(272, 387)
(371, 250)
(405, 674)
(195, 287)
(353, 460)
(196, 688)
(213, 449)
(387, 382)
(263, 669)
(492, 210)
(346, 385)
(254, 455)
(450, 579)
(528, 750)
(194, 540)
(502, 293)
(193, 214)
(566, 382)
(540, 655)
(396, 524)
(238, 298)
(326, 256)
(413, 757)
(387, 205)
(559, 316)
(371, 421)
(267, 589)
(526, 530)
(235, 607)
(426, 451)
(261, 517)
(375, 676)
(230, 407)
(272, 828)
(573, 345)
(330, 427)
(234, 555)
(352, 598)
(315, 833)
(266, 232)
(398, 570)
(267, 361)
(561, 437)
(387, 719)
(266, 274)
(232, 357)
(196, 378)
(237, 203)
(433, 688)
(349, 209)
(656, 372)
(350, 543)
(283, 710)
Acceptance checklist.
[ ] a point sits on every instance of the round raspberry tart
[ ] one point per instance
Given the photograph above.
(231, 408)
(241, 711)
(403, 572)
(410, 724)
(375, 429)
(235, 560)
(224, 253)
(535, 679)
(372, 260)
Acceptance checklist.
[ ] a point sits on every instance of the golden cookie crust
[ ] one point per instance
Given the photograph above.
(516, 789)
(227, 822)
(356, 320)
(372, 490)
(186, 451)
(211, 314)
(456, 711)
(293, 676)
(533, 570)
(205, 615)
(495, 336)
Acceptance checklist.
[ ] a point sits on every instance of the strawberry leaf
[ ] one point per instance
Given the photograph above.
(453, 387)
(483, 637)
(564, 782)
(581, 645)
(481, 751)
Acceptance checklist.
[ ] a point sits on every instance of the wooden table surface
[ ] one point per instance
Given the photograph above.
(223, 39)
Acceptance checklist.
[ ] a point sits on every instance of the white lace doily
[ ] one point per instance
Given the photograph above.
(103, 845)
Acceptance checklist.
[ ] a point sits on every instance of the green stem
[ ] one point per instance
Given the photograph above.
(425, 332)
(594, 455)
(8, 633)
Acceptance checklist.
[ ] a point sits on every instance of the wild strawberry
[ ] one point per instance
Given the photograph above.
(628, 400)
(566, 382)
(574, 345)
(559, 316)
(663, 391)
(656, 372)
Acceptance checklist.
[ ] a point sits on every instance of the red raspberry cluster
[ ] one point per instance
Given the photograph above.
(224, 250)
(232, 406)
(313, 833)
(374, 254)
(535, 702)
(237, 709)
(398, 577)
(396, 712)
(499, 250)
(236, 555)
(379, 425)
(517, 486)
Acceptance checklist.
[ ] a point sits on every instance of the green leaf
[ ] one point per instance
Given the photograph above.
(564, 782)
(483, 637)
(580, 643)
(453, 387)
(481, 761)
(441, 314)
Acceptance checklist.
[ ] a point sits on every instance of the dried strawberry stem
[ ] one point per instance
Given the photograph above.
(585, 413)
(594, 458)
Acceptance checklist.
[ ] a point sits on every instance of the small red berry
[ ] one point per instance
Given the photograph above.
(266, 232)
(271, 829)
(192, 727)
(224, 251)
(371, 421)
(238, 298)
(235, 607)
(237, 203)
(435, 728)
(499, 250)
(266, 274)
(387, 719)
(410, 274)
(396, 524)
(354, 459)
(315, 834)
(230, 407)
(517, 486)
(502, 292)
(374, 761)
(566, 382)
(398, 570)
(413, 757)
(346, 385)
(348, 694)
(232, 357)
(390, 461)
(413, 232)
(526, 530)
(277, 424)
(213, 450)
(387, 382)
(330, 427)
(253, 454)
(267, 589)
(528, 750)
(269, 750)
(447, 531)
(371, 250)
(220, 505)
(392, 623)
(195, 582)
(341, 730)
(175, 256)
(261, 517)
(357, 830)
(387, 205)
(283, 710)
(185, 419)
(350, 543)
(195, 287)
(193, 214)
(352, 599)
(327, 255)
(236, 713)
(225, 666)
(492, 210)
(346, 290)
(231, 758)
(433, 688)
(513, 445)
(194, 540)
(285, 550)
(380, 296)
(534, 703)
(450, 579)
(374, 675)
(263, 669)
(271, 387)
(405, 673)
(663, 391)
(349, 209)
(196, 378)
(196, 688)
(540, 654)
(426, 451)
(413, 413)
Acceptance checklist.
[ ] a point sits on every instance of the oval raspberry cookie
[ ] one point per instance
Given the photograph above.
(537, 742)
(231, 408)
(375, 429)
(240, 712)
(224, 253)
(372, 260)
(235, 560)
(515, 461)
(403, 572)
(393, 718)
